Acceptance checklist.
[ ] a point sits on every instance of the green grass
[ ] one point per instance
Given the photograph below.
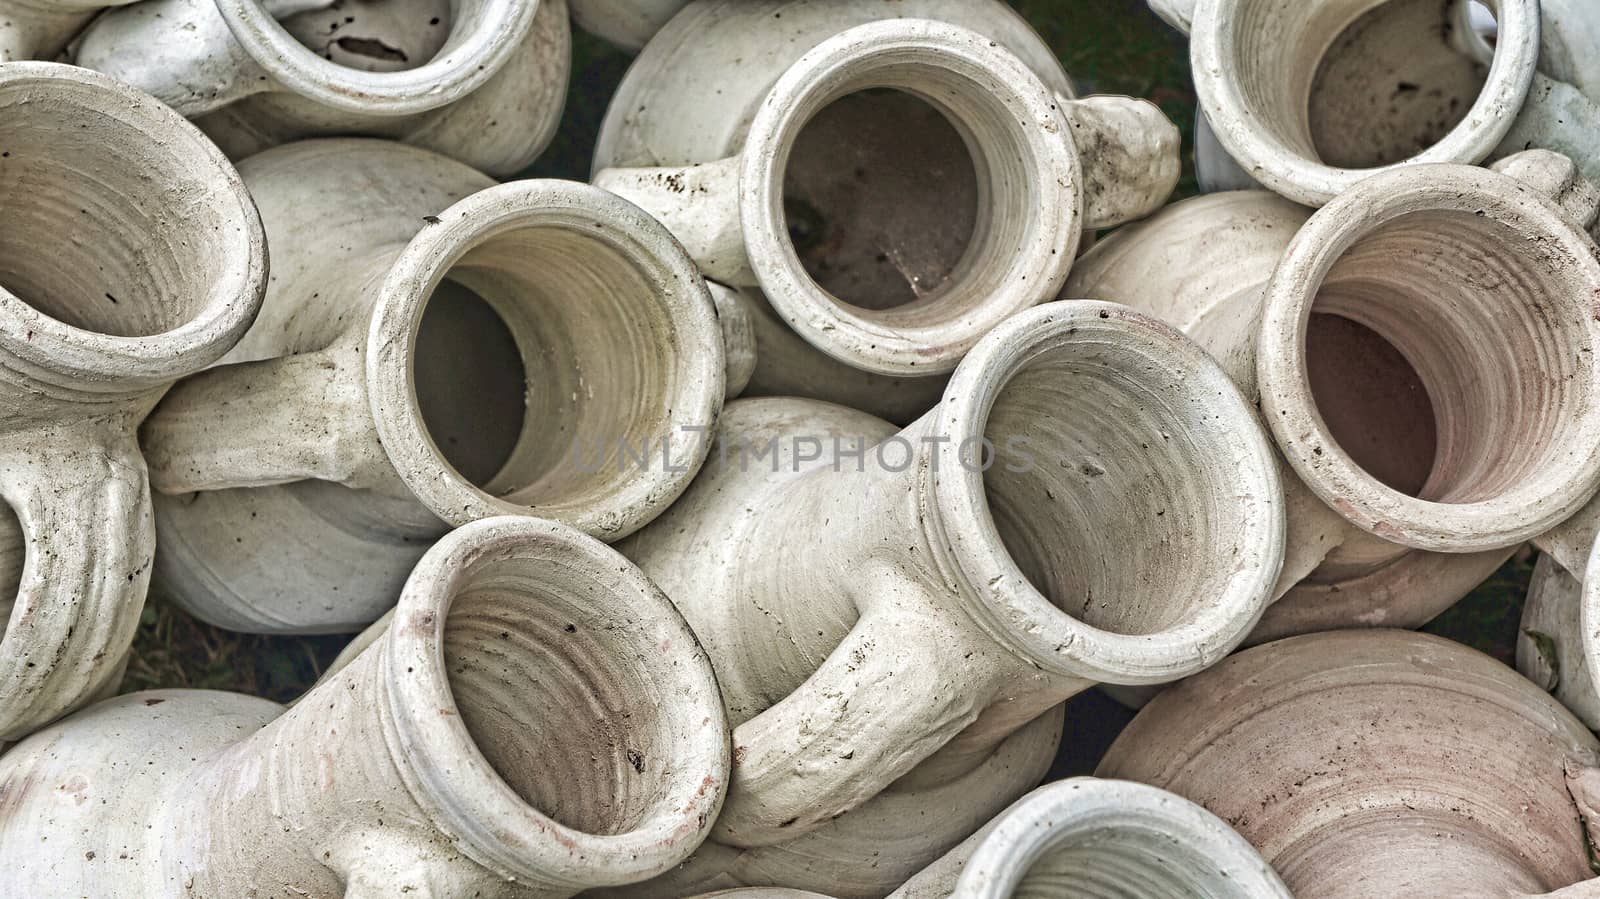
(1108, 46)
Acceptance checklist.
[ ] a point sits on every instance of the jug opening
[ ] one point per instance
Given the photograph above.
(135, 228)
(1464, 320)
(470, 383)
(1391, 86)
(1109, 499)
(583, 353)
(373, 35)
(1374, 402)
(881, 198)
(544, 668)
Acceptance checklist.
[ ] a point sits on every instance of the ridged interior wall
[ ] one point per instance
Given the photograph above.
(106, 230)
(600, 356)
(1466, 300)
(1299, 62)
(545, 667)
(1127, 514)
(1122, 860)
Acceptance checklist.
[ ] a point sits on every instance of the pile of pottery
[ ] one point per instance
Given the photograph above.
(274, 338)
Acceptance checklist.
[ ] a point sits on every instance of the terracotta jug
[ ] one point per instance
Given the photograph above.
(132, 256)
(540, 720)
(820, 554)
(779, 156)
(433, 349)
(1552, 640)
(1419, 454)
(1377, 764)
(1309, 98)
(627, 23)
(1100, 838)
(481, 81)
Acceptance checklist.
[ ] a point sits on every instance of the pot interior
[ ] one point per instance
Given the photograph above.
(470, 382)
(881, 198)
(1110, 486)
(373, 35)
(1391, 86)
(1373, 401)
(547, 367)
(108, 229)
(1438, 358)
(546, 668)
(1355, 84)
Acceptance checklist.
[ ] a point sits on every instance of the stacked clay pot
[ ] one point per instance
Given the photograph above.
(763, 517)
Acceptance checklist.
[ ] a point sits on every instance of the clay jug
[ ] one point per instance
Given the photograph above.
(538, 721)
(133, 256)
(627, 23)
(480, 81)
(1377, 764)
(1419, 454)
(31, 29)
(1087, 837)
(820, 554)
(895, 187)
(433, 349)
(1309, 98)
(1100, 838)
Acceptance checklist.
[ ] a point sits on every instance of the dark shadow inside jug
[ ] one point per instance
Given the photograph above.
(470, 383)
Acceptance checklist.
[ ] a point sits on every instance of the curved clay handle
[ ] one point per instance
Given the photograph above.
(885, 699)
(1559, 117)
(1129, 153)
(256, 424)
(81, 497)
(699, 204)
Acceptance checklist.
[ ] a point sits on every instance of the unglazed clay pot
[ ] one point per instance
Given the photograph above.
(1378, 764)
(1422, 453)
(627, 23)
(1309, 98)
(1100, 838)
(481, 81)
(1552, 640)
(433, 349)
(41, 29)
(132, 256)
(883, 611)
(778, 153)
(464, 754)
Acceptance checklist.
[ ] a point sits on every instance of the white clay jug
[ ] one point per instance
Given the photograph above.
(464, 753)
(895, 187)
(480, 81)
(1092, 838)
(132, 257)
(1420, 453)
(883, 612)
(1309, 98)
(1379, 763)
(433, 349)
(1103, 839)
